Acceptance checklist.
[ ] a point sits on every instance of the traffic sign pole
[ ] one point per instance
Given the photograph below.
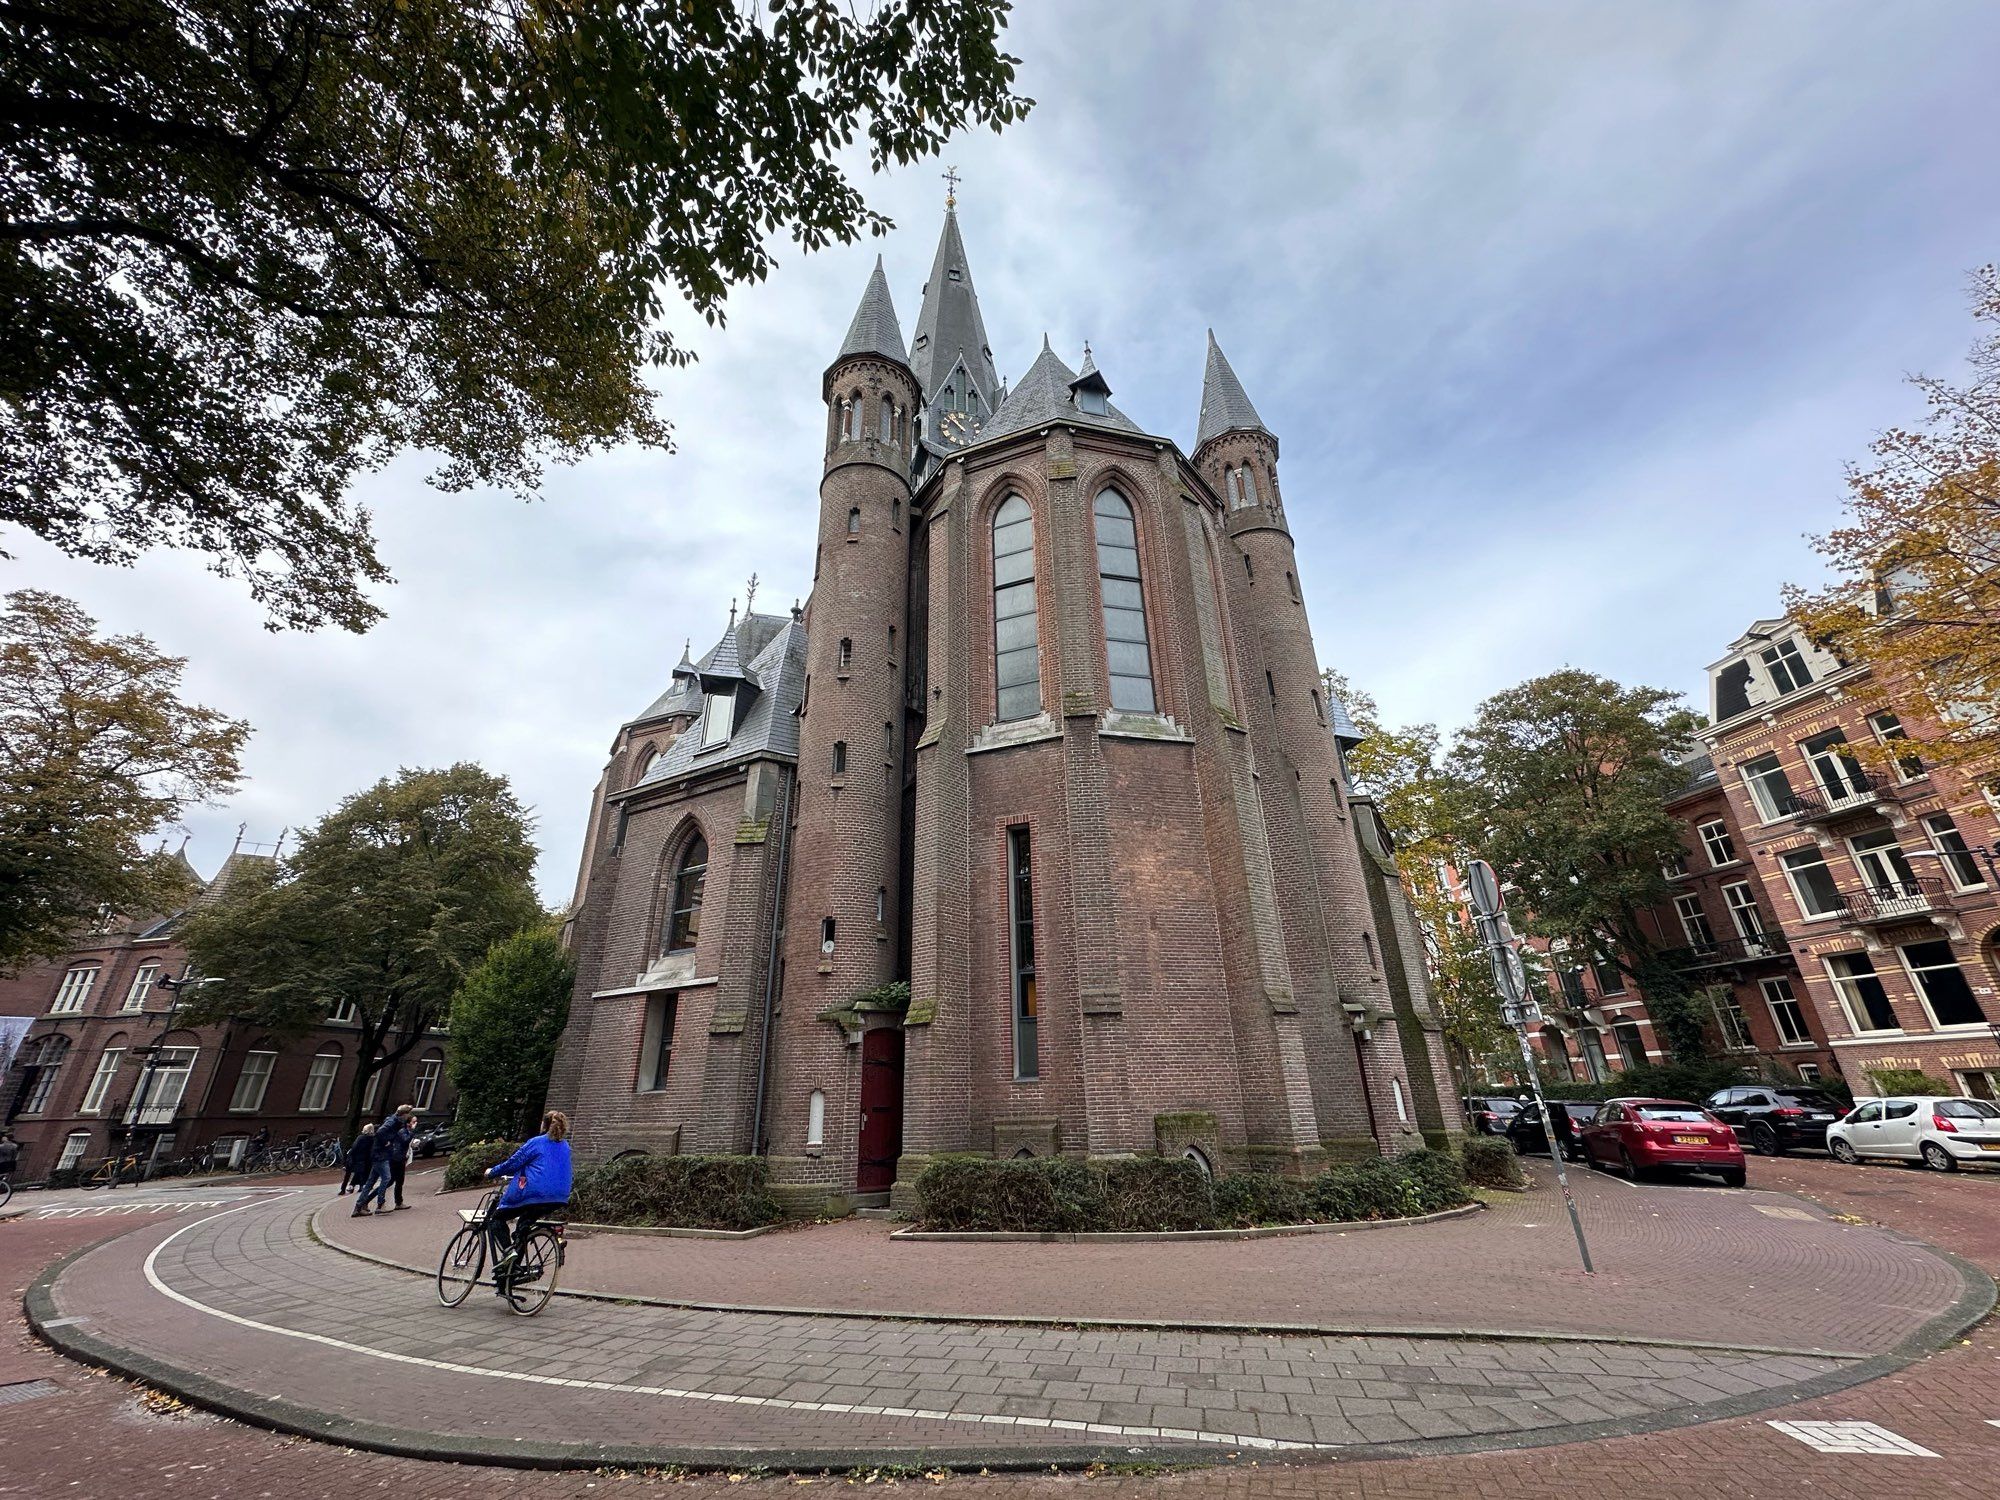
(1520, 1010)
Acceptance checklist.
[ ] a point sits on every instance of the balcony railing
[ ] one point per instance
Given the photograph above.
(1897, 901)
(1863, 792)
(1734, 950)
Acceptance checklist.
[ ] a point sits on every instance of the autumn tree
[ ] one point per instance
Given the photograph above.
(505, 1022)
(388, 904)
(1916, 595)
(251, 251)
(98, 751)
(1398, 770)
(1562, 784)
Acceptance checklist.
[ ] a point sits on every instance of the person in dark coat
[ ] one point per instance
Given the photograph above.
(407, 1114)
(391, 1139)
(10, 1153)
(360, 1157)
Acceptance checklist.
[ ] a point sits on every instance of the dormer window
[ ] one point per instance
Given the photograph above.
(718, 716)
(1094, 402)
(954, 273)
(1787, 666)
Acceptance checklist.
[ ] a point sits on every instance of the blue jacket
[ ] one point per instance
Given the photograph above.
(541, 1173)
(392, 1140)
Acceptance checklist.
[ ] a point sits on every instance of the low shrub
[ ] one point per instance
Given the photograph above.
(1907, 1081)
(1059, 1195)
(1049, 1195)
(467, 1166)
(1491, 1162)
(1157, 1193)
(1244, 1200)
(1692, 1082)
(685, 1192)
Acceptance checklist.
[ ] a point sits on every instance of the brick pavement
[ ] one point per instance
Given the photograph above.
(96, 1439)
(248, 1289)
(1848, 1288)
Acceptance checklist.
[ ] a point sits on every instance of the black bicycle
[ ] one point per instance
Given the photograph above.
(529, 1281)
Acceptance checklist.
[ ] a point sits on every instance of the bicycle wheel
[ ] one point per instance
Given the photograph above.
(96, 1179)
(6, 1192)
(459, 1267)
(533, 1279)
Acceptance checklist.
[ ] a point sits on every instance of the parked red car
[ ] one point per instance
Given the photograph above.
(1641, 1136)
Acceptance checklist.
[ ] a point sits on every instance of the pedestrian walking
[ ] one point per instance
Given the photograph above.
(407, 1113)
(360, 1157)
(391, 1136)
(10, 1152)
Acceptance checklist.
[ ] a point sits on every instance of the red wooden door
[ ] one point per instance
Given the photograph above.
(881, 1141)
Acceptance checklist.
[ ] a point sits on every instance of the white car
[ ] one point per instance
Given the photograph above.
(1939, 1132)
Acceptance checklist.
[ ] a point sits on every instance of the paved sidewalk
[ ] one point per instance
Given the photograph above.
(366, 1355)
(1697, 1264)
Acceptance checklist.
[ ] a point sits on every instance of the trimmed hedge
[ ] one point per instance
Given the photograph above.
(1490, 1162)
(466, 1167)
(1060, 1195)
(684, 1192)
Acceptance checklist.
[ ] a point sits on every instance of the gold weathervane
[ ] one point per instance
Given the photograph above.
(950, 175)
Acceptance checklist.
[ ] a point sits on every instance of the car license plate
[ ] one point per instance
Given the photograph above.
(1989, 1145)
(1690, 1140)
(1819, 1117)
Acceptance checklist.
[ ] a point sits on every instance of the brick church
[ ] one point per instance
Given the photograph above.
(1029, 834)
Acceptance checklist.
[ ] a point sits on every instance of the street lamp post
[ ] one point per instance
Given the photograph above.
(173, 987)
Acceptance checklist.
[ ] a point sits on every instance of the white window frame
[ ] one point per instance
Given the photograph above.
(1793, 661)
(1760, 796)
(1949, 857)
(1808, 1072)
(319, 1083)
(424, 1090)
(1731, 1021)
(718, 712)
(253, 1074)
(1752, 931)
(1887, 737)
(1878, 852)
(73, 994)
(372, 1089)
(76, 1146)
(100, 1081)
(344, 1013)
(1923, 995)
(171, 1067)
(1714, 832)
(1689, 907)
(142, 987)
(1778, 995)
(1851, 1005)
(1806, 912)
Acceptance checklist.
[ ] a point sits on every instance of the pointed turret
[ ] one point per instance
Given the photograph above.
(1224, 405)
(875, 329)
(950, 356)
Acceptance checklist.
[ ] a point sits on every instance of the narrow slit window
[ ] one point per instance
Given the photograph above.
(840, 757)
(1126, 652)
(1021, 922)
(846, 653)
(854, 520)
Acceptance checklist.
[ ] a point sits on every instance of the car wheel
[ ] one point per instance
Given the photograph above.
(1844, 1153)
(1627, 1166)
(1938, 1159)
(1763, 1139)
(1734, 1177)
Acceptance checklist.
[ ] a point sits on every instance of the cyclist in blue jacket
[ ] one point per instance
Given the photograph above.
(541, 1173)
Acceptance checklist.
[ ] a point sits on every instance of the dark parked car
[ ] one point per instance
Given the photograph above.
(1773, 1120)
(433, 1142)
(1641, 1136)
(1525, 1130)
(1488, 1114)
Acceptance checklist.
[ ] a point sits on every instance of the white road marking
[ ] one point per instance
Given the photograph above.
(101, 1210)
(1232, 1440)
(1853, 1437)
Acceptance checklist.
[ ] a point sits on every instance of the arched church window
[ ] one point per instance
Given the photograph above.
(645, 764)
(1017, 675)
(1125, 648)
(886, 429)
(854, 415)
(684, 914)
(1247, 477)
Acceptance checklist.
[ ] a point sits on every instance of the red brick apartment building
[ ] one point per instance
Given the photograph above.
(1029, 834)
(106, 1067)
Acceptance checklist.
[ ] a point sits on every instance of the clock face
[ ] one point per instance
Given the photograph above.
(958, 428)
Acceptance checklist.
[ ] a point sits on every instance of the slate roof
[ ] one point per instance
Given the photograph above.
(1342, 722)
(1701, 775)
(875, 329)
(949, 324)
(1044, 396)
(1224, 405)
(683, 694)
(775, 652)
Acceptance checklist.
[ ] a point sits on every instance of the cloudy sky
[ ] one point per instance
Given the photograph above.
(1567, 316)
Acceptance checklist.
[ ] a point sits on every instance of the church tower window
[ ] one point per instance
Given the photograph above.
(1016, 660)
(690, 878)
(846, 658)
(1248, 481)
(854, 415)
(1125, 648)
(886, 429)
(840, 757)
(854, 521)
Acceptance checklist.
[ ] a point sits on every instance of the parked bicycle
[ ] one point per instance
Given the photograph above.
(114, 1170)
(528, 1283)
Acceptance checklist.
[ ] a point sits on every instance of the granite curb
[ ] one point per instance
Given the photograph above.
(71, 1338)
(1172, 1236)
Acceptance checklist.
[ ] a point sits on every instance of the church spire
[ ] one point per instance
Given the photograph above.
(1224, 405)
(951, 335)
(875, 329)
